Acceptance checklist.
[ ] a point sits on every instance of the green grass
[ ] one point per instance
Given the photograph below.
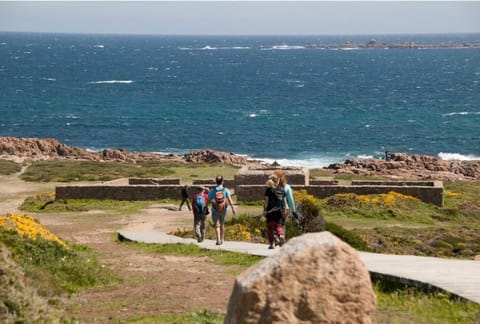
(9, 167)
(46, 203)
(219, 257)
(199, 317)
(397, 303)
(72, 171)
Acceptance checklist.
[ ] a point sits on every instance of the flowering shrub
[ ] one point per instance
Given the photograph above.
(391, 199)
(238, 232)
(27, 226)
(307, 205)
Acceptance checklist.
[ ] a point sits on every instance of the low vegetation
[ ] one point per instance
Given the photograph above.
(73, 171)
(49, 264)
(9, 167)
(389, 223)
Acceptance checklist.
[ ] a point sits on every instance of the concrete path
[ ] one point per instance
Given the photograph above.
(458, 277)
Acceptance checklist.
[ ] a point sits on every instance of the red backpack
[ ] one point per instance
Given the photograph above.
(220, 200)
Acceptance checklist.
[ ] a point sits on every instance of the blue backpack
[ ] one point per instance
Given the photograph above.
(200, 204)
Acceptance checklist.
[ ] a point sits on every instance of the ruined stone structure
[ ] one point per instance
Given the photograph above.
(249, 185)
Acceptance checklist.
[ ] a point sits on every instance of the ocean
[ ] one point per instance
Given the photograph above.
(269, 98)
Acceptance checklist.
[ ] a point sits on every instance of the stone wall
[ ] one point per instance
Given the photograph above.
(258, 176)
(228, 183)
(432, 194)
(150, 181)
(427, 191)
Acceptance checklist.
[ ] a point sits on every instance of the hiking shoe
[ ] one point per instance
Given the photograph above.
(281, 241)
(271, 247)
(218, 243)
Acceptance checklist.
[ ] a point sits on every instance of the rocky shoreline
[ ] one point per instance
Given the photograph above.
(35, 149)
(411, 166)
(399, 165)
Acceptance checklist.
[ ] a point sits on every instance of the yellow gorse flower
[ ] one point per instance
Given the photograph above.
(27, 226)
(239, 232)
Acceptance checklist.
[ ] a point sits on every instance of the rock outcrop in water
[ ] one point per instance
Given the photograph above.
(411, 166)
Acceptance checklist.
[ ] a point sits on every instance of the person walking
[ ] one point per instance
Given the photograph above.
(220, 197)
(274, 211)
(184, 193)
(282, 181)
(200, 208)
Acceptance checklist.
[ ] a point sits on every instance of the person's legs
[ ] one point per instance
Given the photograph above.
(202, 227)
(280, 232)
(196, 226)
(181, 204)
(222, 225)
(188, 204)
(216, 221)
(271, 225)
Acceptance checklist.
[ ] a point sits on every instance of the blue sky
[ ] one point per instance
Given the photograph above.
(242, 17)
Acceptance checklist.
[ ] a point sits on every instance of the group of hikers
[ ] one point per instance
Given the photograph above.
(278, 202)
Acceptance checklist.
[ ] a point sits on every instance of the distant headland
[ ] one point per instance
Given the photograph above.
(374, 44)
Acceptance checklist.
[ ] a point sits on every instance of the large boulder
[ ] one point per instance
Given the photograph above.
(314, 278)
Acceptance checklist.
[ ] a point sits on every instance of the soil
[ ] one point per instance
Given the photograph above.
(150, 283)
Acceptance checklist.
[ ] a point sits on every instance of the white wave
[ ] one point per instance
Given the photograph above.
(457, 156)
(3, 43)
(461, 113)
(310, 163)
(283, 47)
(99, 46)
(111, 81)
(48, 79)
(252, 115)
(208, 47)
(364, 156)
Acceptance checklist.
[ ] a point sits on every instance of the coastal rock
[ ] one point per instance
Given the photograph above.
(208, 156)
(314, 278)
(411, 166)
(48, 148)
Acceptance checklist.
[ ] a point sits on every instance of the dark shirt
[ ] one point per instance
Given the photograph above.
(272, 215)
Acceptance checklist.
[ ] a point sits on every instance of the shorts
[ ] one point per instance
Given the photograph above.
(219, 216)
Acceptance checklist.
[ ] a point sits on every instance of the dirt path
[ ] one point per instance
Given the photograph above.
(150, 283)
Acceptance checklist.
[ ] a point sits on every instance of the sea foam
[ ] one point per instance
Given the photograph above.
(111, 82)
(457, 156)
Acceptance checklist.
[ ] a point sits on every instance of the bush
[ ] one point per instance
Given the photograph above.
(350, 237)
(311, 217)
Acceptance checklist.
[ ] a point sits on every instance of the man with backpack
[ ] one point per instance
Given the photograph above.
(220, 197)
(200, 210)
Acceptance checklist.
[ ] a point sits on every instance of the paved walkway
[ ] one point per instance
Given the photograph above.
(459, 277)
